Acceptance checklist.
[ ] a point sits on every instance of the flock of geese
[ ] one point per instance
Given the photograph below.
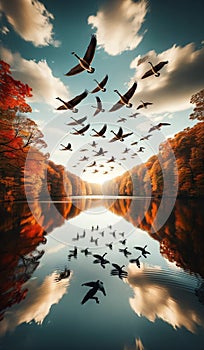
(101, 259)
(79, 126)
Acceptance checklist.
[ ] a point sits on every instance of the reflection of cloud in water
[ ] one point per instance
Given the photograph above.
(166, 295)
(37, 304)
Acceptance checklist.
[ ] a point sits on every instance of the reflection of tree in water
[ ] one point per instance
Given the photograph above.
(181, 237)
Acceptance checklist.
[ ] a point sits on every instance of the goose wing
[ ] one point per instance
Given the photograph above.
(128, 134)
(62, 107)
(85, 128)
(99, 103)
(75, 70)
(116, 106)
(160, 65)
(97, 256)
(88, 57)
(116, 266)
(77, 122)
(89, 284)
(102, 84)
(161, 124)
(78, 98)
(103, 130)
(140, 106)
(147, 74)
(131, 91)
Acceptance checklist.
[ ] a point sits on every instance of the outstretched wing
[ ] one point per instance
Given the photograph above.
(103, 130)
(116, 106)
(102, 84)
(128, 134)
(84, 129)
(89, 284)
(120, 132)
(131, 91)
(161, 124)
(78, 98)
(88, 57)
(116, 266)
(60, 108)
(75, 70)
(99, 103)
(160, 65)
(147, 74)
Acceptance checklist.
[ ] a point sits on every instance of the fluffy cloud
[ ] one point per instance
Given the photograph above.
(37, 75)
(31, 20)
(179, 79)
(118, 24)
(156, 297)
(37, 304)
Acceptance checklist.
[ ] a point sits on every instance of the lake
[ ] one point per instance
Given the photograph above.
(153, 299)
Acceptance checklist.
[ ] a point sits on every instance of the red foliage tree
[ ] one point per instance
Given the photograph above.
(12, 92)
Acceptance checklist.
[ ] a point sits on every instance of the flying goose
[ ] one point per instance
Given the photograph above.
(99, 107)
(77, 122)
(100, 260)
(144, 104)
(124, 99)
(125, 252)
(99, 133)
(121, 120)
(81, 131)
(73, 253)
(72, 103)
(136, 261)
(83, 159)
(119, 136)
(93, 164)
(93, 144)
(100, 152)
(154, 69)
(66, 148)
(158, 126)
(85, 62)
(95, 287)
(141, 149)
(118, 271)
(134, 115)
(112, 159)
(143, 250)
(86, 251)
(101, 85)
(76, 238)
(145, 137)
(110, 245)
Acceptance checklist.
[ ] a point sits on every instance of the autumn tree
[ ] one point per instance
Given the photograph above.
(198, 100)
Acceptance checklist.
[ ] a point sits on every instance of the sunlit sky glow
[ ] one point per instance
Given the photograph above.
(37, 38)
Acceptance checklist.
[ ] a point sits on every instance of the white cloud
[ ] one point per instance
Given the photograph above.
(178, 81)
(118, 24)
(31, 20)
(155, 296)
(38, 75)
(37, 304)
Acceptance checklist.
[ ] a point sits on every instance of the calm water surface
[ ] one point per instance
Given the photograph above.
(159, 305)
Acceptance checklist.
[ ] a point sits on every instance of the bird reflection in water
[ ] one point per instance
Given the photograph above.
(95, 287)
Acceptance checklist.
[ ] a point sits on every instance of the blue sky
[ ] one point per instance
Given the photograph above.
(37, 38)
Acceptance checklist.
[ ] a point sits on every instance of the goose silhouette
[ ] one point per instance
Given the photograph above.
(93, 144)
(99, 107)
(73, 253)
(136, 261)
(66, 148)
(85, 62)
(100, 259)
(110, 245)
(80, 131)
(118, 271)
(99, 133)
(72, 103)
(125, 252)
(86, 251)
(100, 152)
(101, 85)
(158, 126)
(143, 250)
(144, 104)
(119, 136)
(154, 69)
(124, 99)
(77, 121)
(121, 120)
(95, 287)
(91, 165)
